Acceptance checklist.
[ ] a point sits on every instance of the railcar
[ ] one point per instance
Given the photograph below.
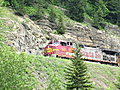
(60, 48)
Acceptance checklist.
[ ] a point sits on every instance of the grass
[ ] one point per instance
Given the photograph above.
(6, 14)
(48, 72)
(51, 73)
(15, 69)
(104, 76)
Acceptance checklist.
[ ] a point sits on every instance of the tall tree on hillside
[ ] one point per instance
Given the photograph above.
(52, 16)
(76, 74)
(39, 6)
(76, 9)
(100, 12)
(114, 8)
(60, 26)
(31, 2)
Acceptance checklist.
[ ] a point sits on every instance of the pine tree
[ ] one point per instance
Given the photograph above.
(60, 26)
(76, 74)
(52, 16)
(76, 9)
(100, 12)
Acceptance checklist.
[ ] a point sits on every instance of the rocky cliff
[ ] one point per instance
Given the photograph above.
(31, 37)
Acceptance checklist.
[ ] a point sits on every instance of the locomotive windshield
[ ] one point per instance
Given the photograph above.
(63, 43)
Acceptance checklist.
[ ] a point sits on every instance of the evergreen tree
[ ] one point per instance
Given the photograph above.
(100, 12)
(76, 74)
(60, 26)
(114, 14)
(76, 9)
(52, 16)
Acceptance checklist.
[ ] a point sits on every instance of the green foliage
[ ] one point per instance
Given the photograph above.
(15, 71)
(99, 11)
(18, 6)
(76, 74)
(54, 82)
(1, 2)
(50, 72)
(118, 80)
(76, 9)
(52, 16)
(29, 10)
(114, 8)
(60, 26)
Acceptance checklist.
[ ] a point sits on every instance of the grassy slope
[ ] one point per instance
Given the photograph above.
(103, 76)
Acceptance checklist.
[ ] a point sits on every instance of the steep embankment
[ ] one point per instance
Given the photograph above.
(30, 37)
(23, 34)
(50, 74)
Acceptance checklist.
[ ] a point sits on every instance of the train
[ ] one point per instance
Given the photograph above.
(60, 48)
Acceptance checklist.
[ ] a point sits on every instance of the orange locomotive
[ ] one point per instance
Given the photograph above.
(59, 48)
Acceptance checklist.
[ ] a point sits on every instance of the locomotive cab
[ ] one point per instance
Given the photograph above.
(59, 48)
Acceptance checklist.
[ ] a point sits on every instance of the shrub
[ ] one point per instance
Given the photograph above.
(15, 71)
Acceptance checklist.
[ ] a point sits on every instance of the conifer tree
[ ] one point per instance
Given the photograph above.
(60, 26)
(76, 74)
(52, 16)
(76, 9)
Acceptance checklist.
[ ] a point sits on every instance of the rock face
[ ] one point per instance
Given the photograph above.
(31, 37)
(26, 37)
(108, 38)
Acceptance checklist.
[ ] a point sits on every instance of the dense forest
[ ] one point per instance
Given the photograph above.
(95, 12)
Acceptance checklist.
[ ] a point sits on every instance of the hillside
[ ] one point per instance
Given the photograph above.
(25, 34)
(103, 76)
(31, 72)
(31, 36)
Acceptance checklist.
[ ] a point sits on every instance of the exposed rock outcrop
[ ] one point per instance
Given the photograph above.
(26, 37)
(108, 38)
(31, 37)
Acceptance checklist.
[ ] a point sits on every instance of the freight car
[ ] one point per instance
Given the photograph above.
(59, 48)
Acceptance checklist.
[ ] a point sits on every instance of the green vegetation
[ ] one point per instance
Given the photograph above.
(15, 69)
(98, 12)
(52, 16)
(51, 74)
(76, 74)
(103, 76)
(60, 26)
(118, 79)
